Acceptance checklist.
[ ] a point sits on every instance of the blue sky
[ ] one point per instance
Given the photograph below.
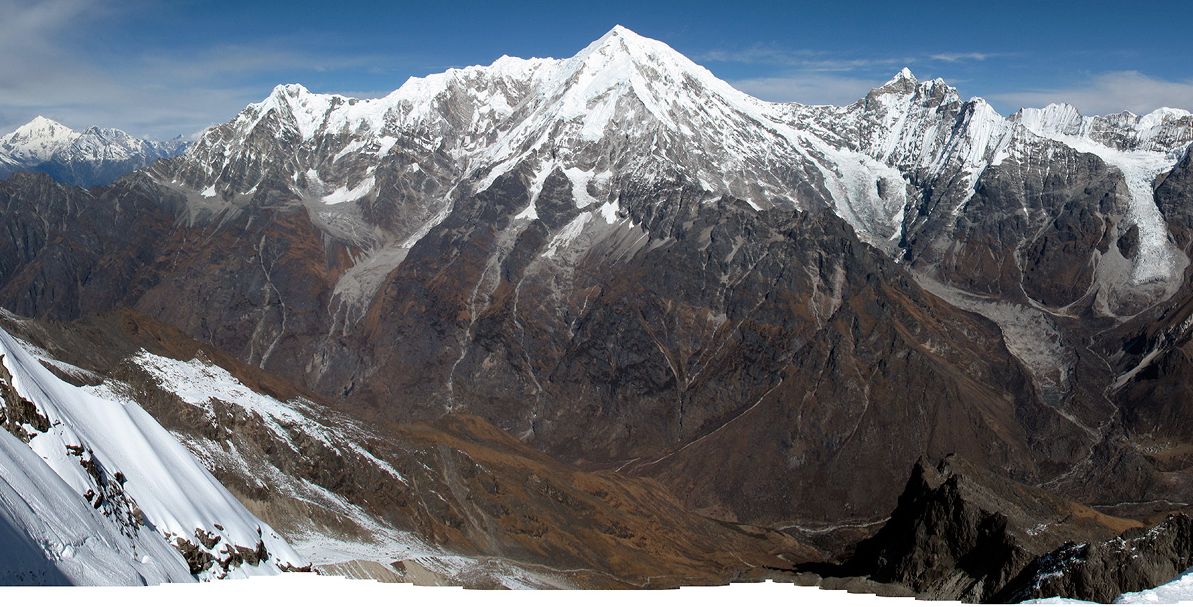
(165, 68)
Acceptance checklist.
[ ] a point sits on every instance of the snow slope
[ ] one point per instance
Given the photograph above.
(50, 535)
(1176, 591)
(111, 453)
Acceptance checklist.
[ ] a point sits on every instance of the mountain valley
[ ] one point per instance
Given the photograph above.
(606, 321)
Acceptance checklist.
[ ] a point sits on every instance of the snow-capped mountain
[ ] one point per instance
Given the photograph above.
(624, 112)
(941, 143)
(119, 500)
(93, 157)
(37, 141)
(616, 261)
(629, 112)
(1141, 148)
(554, 164)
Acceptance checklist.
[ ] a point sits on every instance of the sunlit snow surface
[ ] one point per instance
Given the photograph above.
(50, 535)
(176, 494)
(1178, 590)
(630, 111)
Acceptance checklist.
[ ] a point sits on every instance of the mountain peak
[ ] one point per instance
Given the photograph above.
(42, 125)
(623, 33)
(903, 74)
(42, 121)
(289, 91)
(294, 103)
(902, 82)
(621, 41)
(37, 139)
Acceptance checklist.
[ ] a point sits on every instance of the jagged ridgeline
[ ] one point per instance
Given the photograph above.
(667, 298)
(97, 156)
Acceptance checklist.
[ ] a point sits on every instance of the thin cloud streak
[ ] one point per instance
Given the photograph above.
(815, 89)
(819, 61)
(1108, 93)
(157, 95)
(804, 60)
(959, 57)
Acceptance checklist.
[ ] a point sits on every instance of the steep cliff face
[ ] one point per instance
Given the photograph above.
(1139, 560)
(964, 533)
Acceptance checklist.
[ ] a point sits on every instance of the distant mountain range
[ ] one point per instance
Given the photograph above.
(606, 321)
(96, 156)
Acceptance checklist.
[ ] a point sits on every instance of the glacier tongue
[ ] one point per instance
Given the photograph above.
(117, 459)
(1139, 165)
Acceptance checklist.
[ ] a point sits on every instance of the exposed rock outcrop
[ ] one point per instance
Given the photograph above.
(1102, 571)
(963, 533)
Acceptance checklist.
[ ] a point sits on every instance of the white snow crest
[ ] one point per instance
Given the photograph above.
(199, 383)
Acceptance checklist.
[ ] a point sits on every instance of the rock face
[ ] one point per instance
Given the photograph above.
(771, 310)
(961, 533)
(1102, 571)
(96, 156)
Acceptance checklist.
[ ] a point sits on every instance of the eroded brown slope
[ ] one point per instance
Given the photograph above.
(465, 486)
(766, 366)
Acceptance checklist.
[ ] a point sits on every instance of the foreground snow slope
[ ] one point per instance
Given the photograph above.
(1179, 590)
(50, 535)
(111, 453)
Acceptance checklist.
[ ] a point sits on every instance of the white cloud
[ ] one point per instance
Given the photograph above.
(958, 57)
(821, 61)
(158, 94)
(1108, 93)
(799, 59)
